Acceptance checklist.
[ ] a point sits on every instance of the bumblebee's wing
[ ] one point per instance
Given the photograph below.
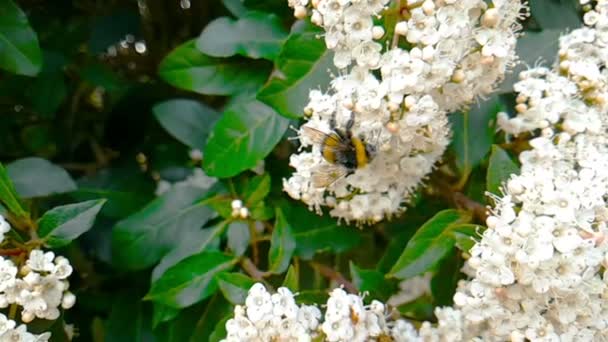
(327, 174)
(330, 141)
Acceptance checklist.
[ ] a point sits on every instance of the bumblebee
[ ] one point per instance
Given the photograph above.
(344, 152)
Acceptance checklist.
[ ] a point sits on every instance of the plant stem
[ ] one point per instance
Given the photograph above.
(334, 275)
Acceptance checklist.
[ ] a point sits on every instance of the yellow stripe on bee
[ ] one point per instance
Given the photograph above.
(360, 152)
(330, 145)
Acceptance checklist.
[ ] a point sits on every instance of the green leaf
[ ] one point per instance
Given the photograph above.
(314, 233)
(207, 239)
(162, 313)
(219, 332)
(255, 190)
(174, 219)
(292, 280)
(37, 177)
(234, 286)
(8, 194)
(466, 235)
(245, 134)
(420, 309)
(238, 237)
(282, 245)
(304, 63)
(187, 68)
(124, 189)
(190, 280)
(60, 225)
(372, 281)
(19, 49)
(431, 243)
(474, 134)
(559, 14)
(47, 93)
(445, 281)
(188, 121)
(235, 7)
(255, 35)
(500, 168)
(209, 326)
(128, 320)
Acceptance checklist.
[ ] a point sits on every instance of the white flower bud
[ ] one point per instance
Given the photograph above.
(68, 300)
(492, 221)
(244, 212)
(401, 28)
(316, 18)
(27, 317)
(490, 18)
(428, 7)
(428, 53)
(300, 12)
(237, 204)
(377, 32)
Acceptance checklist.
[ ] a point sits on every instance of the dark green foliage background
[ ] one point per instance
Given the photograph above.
(85, 134)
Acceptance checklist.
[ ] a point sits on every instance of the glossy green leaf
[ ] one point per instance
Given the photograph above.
(188, 121)
(282, 244)
(19, 49)
(236, 7)
(445, 281)
(245, 134)
(431, 243)
(466, 235)
(37, 177)
(124, 190)
(420, 309)
(371, 281)
(190, 280)
(208, 327)
(256, 189)
(129, 320)
(255, 35)
(501, 167)
(474, 134)
(304, 63)
(197, 241)
(162, 313)
(234, 286)
(219, 332)
(261, 212)
(561, 14)
(238, 237)
(8, 194)
(60, 225)
(314, 233)
(175, 218)
(292, 279)
(47, 93)
(187, 68)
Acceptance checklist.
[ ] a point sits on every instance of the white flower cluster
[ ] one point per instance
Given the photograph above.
(540, 269)
(238, 210)
(396, 101)
(9, 331)
(277, 317)
(41, 290)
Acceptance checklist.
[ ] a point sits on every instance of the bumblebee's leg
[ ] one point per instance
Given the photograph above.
(349, 125)
(332, 122)
(351, 121)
